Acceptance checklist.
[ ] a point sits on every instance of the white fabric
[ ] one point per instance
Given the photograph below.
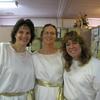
(48, 68)
(16, 72)
(83, 83)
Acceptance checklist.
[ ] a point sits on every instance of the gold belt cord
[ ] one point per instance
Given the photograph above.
(12, 94)
(30, 94)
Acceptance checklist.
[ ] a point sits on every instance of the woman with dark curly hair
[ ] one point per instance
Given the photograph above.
(82, 71)
(16, 65)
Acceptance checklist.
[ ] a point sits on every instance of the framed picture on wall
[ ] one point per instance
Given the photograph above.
(95, 34)
(98, 53)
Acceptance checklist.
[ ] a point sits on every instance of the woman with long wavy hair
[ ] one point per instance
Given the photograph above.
(82, 71)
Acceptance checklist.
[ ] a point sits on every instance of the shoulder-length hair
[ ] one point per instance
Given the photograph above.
(85, 51)
(19, 23)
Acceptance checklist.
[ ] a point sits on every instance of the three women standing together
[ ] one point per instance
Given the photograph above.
(50, 67)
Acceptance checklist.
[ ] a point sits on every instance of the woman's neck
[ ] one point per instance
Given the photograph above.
(47, 49)
(19, 48)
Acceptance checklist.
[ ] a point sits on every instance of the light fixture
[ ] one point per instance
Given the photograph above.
(6, 4)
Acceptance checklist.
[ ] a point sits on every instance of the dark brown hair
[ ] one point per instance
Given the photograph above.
(85, 53)
(20, 23)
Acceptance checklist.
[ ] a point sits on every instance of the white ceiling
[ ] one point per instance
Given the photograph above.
(53, 9)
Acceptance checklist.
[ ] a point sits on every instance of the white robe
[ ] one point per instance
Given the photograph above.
(16, 72)
(48, 68)
(83, 83)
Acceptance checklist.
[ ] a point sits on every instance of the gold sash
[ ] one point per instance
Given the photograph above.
(12, 94)
(30, 94)
(47, 84)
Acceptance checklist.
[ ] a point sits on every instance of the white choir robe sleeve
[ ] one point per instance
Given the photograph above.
(96, 81)
(2, 56)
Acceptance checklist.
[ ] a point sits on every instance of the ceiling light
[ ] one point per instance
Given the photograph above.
(5, 4)
(6, 0)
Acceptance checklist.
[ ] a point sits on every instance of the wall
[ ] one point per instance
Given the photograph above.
(5, 33)
(93, 22)
(38, 22)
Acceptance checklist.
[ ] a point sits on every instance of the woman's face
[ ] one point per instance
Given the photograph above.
(49, 35)
(73, 49)
(23, 36)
